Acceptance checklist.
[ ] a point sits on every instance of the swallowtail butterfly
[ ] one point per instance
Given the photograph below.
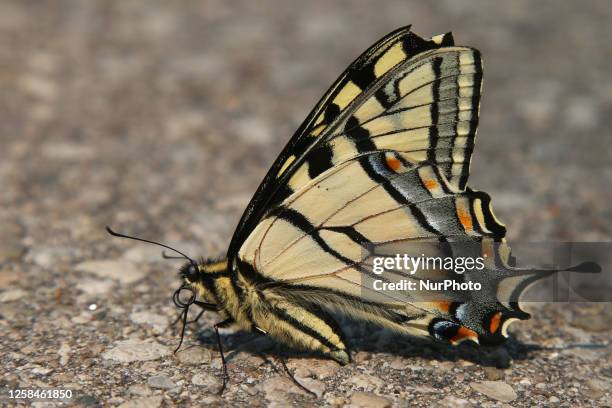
(384, 157)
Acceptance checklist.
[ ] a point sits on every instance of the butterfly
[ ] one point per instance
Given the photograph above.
(383, 158)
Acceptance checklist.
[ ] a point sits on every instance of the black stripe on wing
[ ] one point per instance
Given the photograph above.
(373, 166)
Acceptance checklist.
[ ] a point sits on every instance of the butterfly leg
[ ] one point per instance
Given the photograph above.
(290, 374)
(284, 364)
(222, 324)
(183, 316)
(203, 305)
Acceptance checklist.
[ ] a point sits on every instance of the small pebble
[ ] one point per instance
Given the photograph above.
(119, 270)
(206, 380)
(498, 390)
(64, 352)
(127, 351)
(424, 389)
(277, 388)
(12, 295)
(41, 370)
(361, 357)
(368, 400)
(194, 355)
(150, 367)
(159, 322)
(161, 381)
(147, 402)
(453, 402)
(27, 349)
(318, 368)
(209, 401)
(141, 390)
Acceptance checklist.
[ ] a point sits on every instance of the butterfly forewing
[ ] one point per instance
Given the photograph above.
(425, 91)
(425, 108)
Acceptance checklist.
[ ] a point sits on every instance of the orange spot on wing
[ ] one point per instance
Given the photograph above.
(443, 306)
(495, 321)
(430, 184)
(393, 163)
(464, 218)
(464, 334)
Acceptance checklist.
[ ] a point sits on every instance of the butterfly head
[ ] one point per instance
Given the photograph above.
(203, 277)
(192, 272)
(197, 277)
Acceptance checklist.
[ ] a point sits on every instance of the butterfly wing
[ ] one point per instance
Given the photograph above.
(418, 97)
(383, 158)
(320, 242)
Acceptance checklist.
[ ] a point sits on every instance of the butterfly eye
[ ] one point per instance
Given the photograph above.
(192, 272)
(189, 272)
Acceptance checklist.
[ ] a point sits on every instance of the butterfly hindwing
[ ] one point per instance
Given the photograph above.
(419, 97)
(326, 235)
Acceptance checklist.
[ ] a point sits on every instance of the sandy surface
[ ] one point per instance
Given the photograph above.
(160, 118)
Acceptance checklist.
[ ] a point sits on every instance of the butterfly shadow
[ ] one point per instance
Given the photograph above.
(377, 341)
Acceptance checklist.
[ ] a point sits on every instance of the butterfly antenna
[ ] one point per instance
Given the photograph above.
(166, 256)
(116, 234)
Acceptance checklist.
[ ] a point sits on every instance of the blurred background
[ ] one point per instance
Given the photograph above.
(161, 118)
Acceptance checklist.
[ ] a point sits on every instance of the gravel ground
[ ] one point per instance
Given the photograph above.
(160, 118)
